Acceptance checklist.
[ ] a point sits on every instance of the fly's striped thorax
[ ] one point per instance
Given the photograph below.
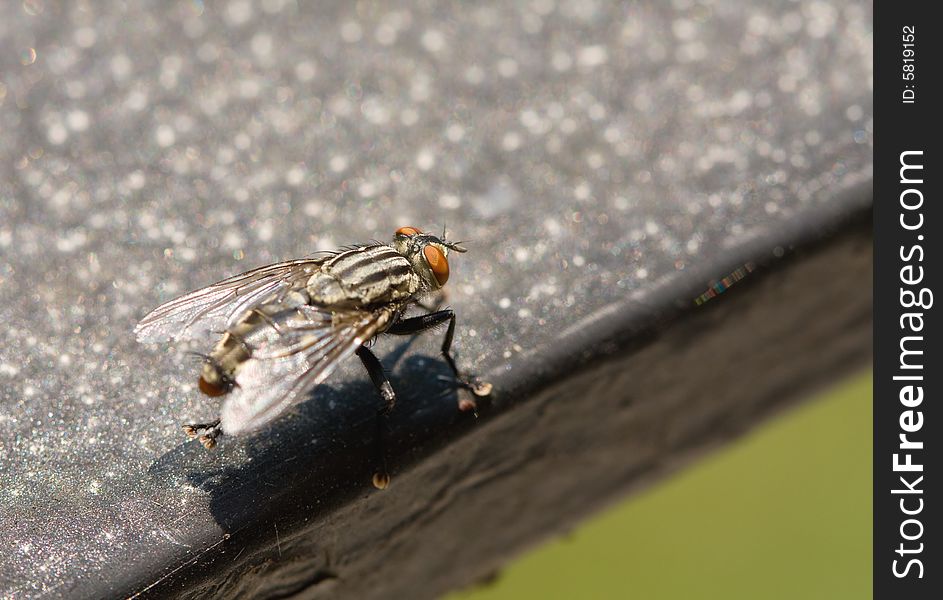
(364, 276)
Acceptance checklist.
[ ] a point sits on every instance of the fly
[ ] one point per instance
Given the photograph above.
(285, 327)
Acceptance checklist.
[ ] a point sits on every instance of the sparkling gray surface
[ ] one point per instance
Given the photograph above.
(586, 152)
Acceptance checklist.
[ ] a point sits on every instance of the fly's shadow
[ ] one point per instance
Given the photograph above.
(322, 453)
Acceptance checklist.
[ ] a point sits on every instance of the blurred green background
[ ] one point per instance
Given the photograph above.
(783, 513)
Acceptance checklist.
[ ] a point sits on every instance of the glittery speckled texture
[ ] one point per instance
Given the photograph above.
(585, 151)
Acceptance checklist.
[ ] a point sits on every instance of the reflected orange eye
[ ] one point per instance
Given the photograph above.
(438, 263)
(408, 231)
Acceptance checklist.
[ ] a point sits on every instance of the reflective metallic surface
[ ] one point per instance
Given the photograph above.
(588, 153)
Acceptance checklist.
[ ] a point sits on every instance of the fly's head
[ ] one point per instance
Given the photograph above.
(428, 254)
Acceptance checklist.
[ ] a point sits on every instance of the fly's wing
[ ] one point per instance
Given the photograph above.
(283, 369)
(211, 309)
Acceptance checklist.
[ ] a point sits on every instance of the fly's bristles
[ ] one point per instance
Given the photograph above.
(200, 355)
(285, 327)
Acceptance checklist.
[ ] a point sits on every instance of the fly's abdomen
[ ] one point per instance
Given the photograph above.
(363, 278)
(241, 339)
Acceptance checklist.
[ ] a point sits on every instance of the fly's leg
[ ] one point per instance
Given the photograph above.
(381, 477)
(205, 432)
(415, 325)
(378, 377)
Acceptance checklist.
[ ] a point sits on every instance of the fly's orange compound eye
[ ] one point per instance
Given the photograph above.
(438, 263)
(407, 231)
